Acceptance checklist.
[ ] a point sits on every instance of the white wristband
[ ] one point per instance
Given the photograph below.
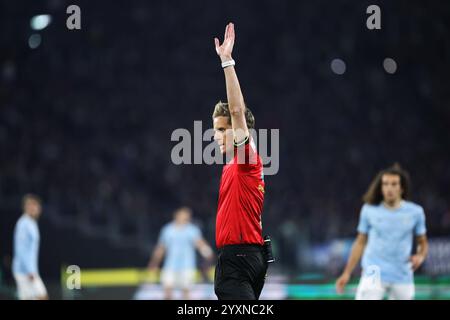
(228, 63)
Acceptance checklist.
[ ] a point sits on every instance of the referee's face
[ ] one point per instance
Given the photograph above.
(223, 134)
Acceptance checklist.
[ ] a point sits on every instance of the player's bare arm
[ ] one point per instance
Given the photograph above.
(355, 255)
(204, 249)
(234, 93)
(422, 251)
(157, 257)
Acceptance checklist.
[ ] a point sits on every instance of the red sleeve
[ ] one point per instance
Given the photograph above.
(247, 155)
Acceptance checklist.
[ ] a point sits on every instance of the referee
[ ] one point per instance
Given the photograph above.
(241, 266)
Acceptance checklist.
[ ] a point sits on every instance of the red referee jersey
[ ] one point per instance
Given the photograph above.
(241, 197)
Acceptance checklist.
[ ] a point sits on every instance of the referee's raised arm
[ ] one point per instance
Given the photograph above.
(234, 93)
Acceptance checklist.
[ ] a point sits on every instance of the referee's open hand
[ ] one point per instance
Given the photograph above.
(225, 49)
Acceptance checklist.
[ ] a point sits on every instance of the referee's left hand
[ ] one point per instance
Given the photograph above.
(225, 49)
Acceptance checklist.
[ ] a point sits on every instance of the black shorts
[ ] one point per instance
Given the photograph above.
(240, 272)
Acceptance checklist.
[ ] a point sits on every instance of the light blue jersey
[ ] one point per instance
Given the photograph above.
(390, 239)
(179, 242)
(26, 246)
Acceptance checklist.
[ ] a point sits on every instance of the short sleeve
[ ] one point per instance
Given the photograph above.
(420, 228)
(163, 237)
(247, 156)
(364, 225)
(196, 233)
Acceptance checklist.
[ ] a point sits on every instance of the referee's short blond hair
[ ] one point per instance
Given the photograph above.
(222, 110)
